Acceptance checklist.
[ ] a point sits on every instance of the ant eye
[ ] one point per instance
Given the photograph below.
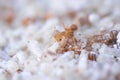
(60, 39)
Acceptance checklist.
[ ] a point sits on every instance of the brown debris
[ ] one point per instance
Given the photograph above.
(47, 16)
(28, 20)
(70, 45)
(19, 70)
(9, 16)
(8, 74)
(67, 40)
(108, 38)
(84, 20)
(92, 57)
(72, 14)
(113, 35)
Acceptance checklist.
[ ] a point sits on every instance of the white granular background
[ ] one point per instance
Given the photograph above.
(28, 50)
